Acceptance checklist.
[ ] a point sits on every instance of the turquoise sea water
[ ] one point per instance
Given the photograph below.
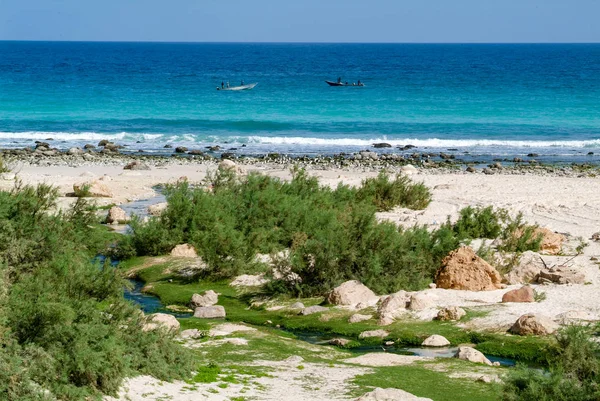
(485, 99)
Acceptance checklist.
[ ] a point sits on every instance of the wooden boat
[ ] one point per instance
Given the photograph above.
(334, 83)
(238, 88)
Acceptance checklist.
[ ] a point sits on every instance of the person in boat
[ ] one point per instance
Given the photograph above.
(222, 84)
(228, 84)
(339, 81)
(360, 83)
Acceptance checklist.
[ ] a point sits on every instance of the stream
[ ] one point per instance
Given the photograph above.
(152, 304)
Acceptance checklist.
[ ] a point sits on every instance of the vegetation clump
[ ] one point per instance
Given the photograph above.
(66, 332)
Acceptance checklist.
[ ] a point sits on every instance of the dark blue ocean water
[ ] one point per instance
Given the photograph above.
(487, 99)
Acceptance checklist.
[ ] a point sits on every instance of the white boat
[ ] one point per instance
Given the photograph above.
(238, 88)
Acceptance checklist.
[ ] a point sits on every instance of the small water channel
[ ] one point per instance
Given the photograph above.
(152, 304)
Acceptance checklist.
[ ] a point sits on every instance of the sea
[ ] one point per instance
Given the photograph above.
(477, 100)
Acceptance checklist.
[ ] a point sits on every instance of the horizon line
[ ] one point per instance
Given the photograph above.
(294, 42)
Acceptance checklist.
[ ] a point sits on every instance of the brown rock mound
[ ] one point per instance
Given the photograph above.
(462, 269)
(532, 324)
(523, 294)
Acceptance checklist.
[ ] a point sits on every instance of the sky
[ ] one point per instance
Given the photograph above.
(404, 21)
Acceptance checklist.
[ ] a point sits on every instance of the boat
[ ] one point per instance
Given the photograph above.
(238, 88)
(334, 83)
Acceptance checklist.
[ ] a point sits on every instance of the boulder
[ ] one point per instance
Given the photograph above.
(297, 305)
(210, 312)
(75, 151)
(374, 333)
(420, 301)
(249, 280)
(392, 307)
(136, 165)
(435, 341)
(533, 324)
(451, 313)
(184, 251)
(181, 149)
(366, 155)
(471, 355)
(390, 394)
(209, 298)
(462, 269)
(526, 271)
(229, 165)
(116, 215)
(191, 334)
(381, 145)
(157, 209)
(162, 321)
(409, 169)
(340, 342)
(523, 294)
(357, 318)
(313, 309)
(560, 275)
(92, 189)
(352, 293)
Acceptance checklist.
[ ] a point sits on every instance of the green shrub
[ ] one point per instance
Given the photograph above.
(479, 223)
(386, 194)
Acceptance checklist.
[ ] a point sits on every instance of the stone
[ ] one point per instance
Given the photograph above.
(210, 312)
(248, 280)
(192, 334)
(89, 146)
(209, 298)
(157, 209)
(489, 378)
(161, 321)
(451, 313)
(94, 189)
(75, 151)
(352, 293)
(409, 169)
(357, 318)
(381, 145)
(533, 324)
(420, 301)
(471, 169)
(435, 341)
(523, 294)
(560, 275)
(116, 215)
(472, 355)
(184, 251)
(374, 333)
(339, 342)
(313, 309)
(366, 155)
(392, 307)
(297, 305)
(526, 271)
(229, 165)
(136, 165)
(390, 394)
(462, 269)
(103, 142)
(181, 149)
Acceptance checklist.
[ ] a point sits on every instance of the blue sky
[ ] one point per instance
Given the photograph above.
(302, 20)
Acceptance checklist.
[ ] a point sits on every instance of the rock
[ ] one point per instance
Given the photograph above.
(374, 333)
(357, 318)
(420, 301)
(381, 145)
(209, 298)
(89, 146)
(409, 169)
(432, 286)
(136, 165)
(75, 151)
(471, 355)
(210, 312)
(352, 293)
(366, 155)
(116, 215)
(227, 329)
(297, 305)
(462, 269)
(157, 209)
(451, 313)
(103, 142)
(487, 171)
(161, 320)
(435, 341)
(229, 165)
(92, 189)
(191, 334)
(313, 309)
(523, 294)
(339, 342)
(184, 251)
(390, 394)
(596, 237)
(181, 149)
(533, 324)
(247, 280)
(392, 307)
(533, 155)
(489, 378)
(560, 275)
(471, 169)
(526, 271)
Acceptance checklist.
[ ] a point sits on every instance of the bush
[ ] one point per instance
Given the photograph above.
(479, 223)
(386, 194)
(65, 327)
(573, 373)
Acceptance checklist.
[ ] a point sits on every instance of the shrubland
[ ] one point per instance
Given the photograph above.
(332, 234)
(66, 332)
